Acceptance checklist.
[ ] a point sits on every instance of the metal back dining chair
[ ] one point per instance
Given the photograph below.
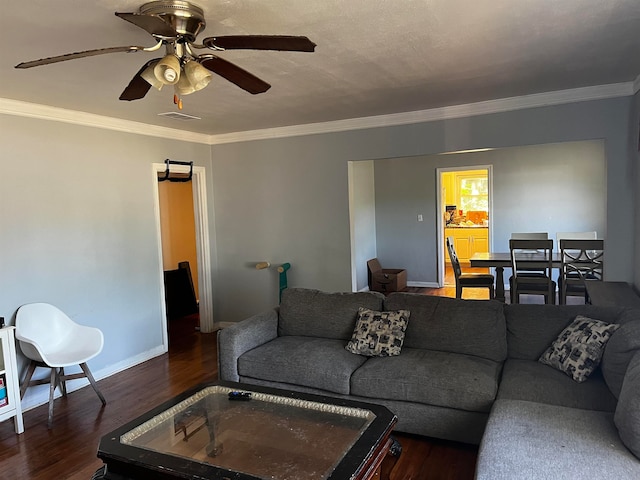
(469, 280)
(581, 261)
(524, 279)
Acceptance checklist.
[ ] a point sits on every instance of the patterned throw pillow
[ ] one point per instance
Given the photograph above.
(378, 334)
(578, 349)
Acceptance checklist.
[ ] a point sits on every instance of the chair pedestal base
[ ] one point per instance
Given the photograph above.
(57, 378)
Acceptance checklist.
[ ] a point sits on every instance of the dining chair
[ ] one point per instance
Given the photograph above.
(530, 236)
(523, 279)
(469, 280)
(593, 235)
(50, 339)
(581, 261)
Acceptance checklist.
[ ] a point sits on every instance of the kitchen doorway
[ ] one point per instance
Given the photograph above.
(464, 206)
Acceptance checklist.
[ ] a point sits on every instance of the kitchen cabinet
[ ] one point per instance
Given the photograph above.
(9, 390)
(468, 241)
(449, 188)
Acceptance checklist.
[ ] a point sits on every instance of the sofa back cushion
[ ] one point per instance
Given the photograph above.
(627, 416)
(531, 329)
(620, 349)
(313, 313)
(470, 327)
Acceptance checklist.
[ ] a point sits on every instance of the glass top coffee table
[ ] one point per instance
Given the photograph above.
(236, 431)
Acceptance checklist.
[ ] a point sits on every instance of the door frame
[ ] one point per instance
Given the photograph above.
(440, 212)
(203, 248)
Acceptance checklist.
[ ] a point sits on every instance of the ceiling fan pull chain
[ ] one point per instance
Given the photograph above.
(177, 101)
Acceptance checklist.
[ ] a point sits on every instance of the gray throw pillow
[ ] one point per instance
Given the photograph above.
(620, 349)
(578, 349)
(627, 416)
(378, 334)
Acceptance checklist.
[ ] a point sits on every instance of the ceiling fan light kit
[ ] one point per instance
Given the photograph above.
(198, 76)
(175, 24)
(149, 76)
(167, 70)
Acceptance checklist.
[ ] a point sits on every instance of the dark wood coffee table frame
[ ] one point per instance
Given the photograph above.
(361, 462)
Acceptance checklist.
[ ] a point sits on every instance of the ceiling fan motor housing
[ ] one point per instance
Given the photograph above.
(186, 18)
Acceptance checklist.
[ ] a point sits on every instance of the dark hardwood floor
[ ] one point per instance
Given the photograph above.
(68, 450)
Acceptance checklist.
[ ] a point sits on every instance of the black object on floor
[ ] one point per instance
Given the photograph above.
(180, 297)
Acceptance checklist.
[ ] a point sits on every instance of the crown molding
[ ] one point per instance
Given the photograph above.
(599, 92)
(45, 112)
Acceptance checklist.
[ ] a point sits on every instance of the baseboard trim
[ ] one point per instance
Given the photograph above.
(411, 284)
(423, 284)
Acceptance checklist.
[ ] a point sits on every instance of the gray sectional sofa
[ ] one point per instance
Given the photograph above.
(468, 371)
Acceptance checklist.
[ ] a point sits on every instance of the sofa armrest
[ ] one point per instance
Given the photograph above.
(246, 335)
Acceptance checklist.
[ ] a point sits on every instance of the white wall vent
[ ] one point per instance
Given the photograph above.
(178, 116)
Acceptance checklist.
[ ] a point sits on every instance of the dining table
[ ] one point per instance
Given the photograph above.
(500, 260)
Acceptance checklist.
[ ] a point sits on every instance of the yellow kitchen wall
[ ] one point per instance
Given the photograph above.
(178, 227)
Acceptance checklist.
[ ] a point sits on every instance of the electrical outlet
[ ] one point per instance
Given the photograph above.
(419, 217)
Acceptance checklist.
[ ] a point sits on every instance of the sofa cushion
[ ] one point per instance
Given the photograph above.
(312, 362)
(627, 416)
(533, 441)
(578, 349)
(435, 378)
(534, 381)
(622, 346)
(313, 313)
(378, 334)
(532, 328)
(470, 327)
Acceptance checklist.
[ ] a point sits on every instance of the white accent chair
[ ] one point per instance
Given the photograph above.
(50, 339)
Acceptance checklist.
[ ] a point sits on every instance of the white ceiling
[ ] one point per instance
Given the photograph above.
(373, 57)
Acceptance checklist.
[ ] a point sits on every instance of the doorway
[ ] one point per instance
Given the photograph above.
(179, 256)
(203, 264)
(464, 206)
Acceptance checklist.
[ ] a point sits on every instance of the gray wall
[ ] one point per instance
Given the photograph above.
(304, 182)
(279, 201)
(363, 220)
(543, 188)
(78, 230)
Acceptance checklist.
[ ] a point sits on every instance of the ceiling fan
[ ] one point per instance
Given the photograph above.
(175, 24)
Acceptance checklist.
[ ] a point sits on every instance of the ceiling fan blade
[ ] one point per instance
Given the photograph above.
(150, 23)
(235, 74)
(261, 42)
(138, 86)
(72, 56)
